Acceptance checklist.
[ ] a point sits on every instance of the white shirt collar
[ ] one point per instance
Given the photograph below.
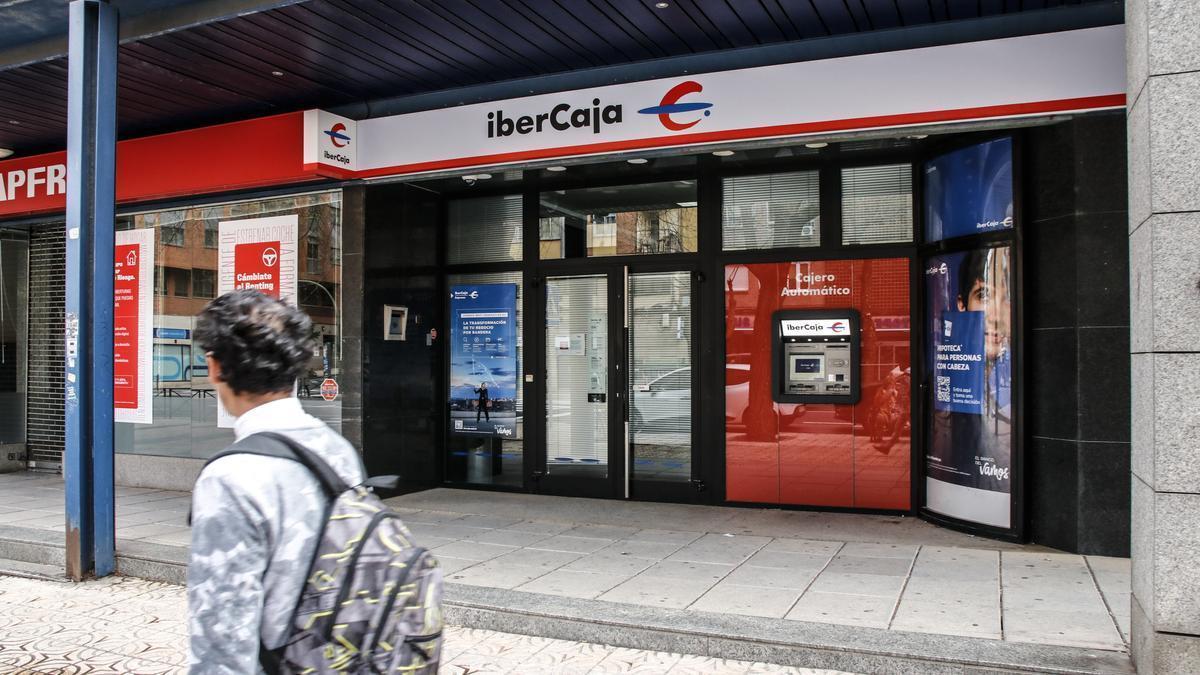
(285, 413)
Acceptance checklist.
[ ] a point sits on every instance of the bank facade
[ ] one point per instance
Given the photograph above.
(759, 286)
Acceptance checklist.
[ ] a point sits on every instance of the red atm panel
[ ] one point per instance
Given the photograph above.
(819, 454)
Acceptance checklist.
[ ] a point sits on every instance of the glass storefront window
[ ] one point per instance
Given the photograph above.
(772, 211)
(484, 229)
(14, 345)
(623, 220)
(485, 445)
(186, 278)
(877, 206)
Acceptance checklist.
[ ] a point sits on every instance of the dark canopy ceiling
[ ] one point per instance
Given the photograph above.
(324, 53)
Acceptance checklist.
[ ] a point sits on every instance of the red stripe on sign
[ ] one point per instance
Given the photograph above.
(905, 119)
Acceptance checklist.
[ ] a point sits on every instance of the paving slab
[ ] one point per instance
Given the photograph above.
(574, 584)
(731, 598)
(844, 608)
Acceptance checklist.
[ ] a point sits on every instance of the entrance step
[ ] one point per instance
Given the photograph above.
(778, 641)
(144, 560)
(28, 570)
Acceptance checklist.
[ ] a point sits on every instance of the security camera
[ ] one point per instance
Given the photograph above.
(469, 180)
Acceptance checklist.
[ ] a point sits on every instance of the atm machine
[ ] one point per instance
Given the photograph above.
(816, 356)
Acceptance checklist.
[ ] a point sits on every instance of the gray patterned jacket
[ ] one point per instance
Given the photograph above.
(255, 522)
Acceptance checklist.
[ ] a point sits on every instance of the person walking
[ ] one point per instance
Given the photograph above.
(256, 520)
(483, 404)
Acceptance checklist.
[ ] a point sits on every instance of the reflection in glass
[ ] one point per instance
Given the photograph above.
(771, 211)
(660, 375)
(877, 206)
(577, 375)
(14, 346)
(185, 405)
(643, 219)
(484, 229)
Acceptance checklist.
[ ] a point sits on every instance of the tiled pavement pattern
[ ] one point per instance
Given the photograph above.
(121, 625)
(1020, 596)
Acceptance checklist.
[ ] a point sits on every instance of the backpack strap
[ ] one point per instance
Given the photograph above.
(274, 444)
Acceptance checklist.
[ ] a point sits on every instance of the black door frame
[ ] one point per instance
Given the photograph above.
(614, 485)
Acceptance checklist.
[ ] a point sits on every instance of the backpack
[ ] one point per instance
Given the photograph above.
(372, 602)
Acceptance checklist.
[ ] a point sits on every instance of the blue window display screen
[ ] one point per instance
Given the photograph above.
(969, 191)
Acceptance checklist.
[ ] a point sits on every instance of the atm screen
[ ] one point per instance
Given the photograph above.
(808, 366)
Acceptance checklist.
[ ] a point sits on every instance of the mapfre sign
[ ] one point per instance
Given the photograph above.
(254, 153)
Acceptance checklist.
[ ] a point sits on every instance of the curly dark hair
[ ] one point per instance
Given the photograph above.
(261, 343)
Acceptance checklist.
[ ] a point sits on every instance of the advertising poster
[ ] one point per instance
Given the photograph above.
(258, 253)
(969, 463)
(969, 191)
(483, 360)
(133, 327)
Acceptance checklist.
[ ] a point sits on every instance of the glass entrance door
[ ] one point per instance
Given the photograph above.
(619, 383)
(578, 424)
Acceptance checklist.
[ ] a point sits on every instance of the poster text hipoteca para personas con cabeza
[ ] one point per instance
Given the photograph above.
(257, 253)
(969, 357)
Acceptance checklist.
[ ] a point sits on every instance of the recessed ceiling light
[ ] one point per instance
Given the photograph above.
(687, 205)
(14, 122)
(815, 146)
(662, 5)
(917, 137)
(277, 73)
(482, 176)
(637, 160)
(722, 153)
(556, 168)
(5, 152)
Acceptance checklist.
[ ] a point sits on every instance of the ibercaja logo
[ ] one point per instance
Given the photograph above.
(672, 103)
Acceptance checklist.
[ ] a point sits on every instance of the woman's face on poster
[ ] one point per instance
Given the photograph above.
(990, 295)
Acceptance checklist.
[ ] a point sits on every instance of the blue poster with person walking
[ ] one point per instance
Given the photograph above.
(483, 360)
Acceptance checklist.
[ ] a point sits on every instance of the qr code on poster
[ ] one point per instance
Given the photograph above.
(943, 388)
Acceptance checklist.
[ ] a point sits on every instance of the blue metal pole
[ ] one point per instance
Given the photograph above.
(91, 94)
(104, 198)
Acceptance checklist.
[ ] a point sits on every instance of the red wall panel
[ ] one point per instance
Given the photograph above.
(819, 454)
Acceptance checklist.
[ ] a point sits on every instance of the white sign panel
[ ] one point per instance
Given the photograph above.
(1011, 77)
(257, 253)
(814, 327)
(133, 326)
(330, 141)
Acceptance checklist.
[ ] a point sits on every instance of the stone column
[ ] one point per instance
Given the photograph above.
(1163, 61)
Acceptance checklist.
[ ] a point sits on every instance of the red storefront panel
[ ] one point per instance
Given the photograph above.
(239, 155)
(819, 454)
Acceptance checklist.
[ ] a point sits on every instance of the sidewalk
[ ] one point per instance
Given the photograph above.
(675, 572)
(122, 625)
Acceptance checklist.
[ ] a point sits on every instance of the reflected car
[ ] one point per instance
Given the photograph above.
(665, 403)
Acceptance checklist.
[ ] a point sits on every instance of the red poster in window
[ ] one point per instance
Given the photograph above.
(125, 327)
(132, 325)
(256, 266)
